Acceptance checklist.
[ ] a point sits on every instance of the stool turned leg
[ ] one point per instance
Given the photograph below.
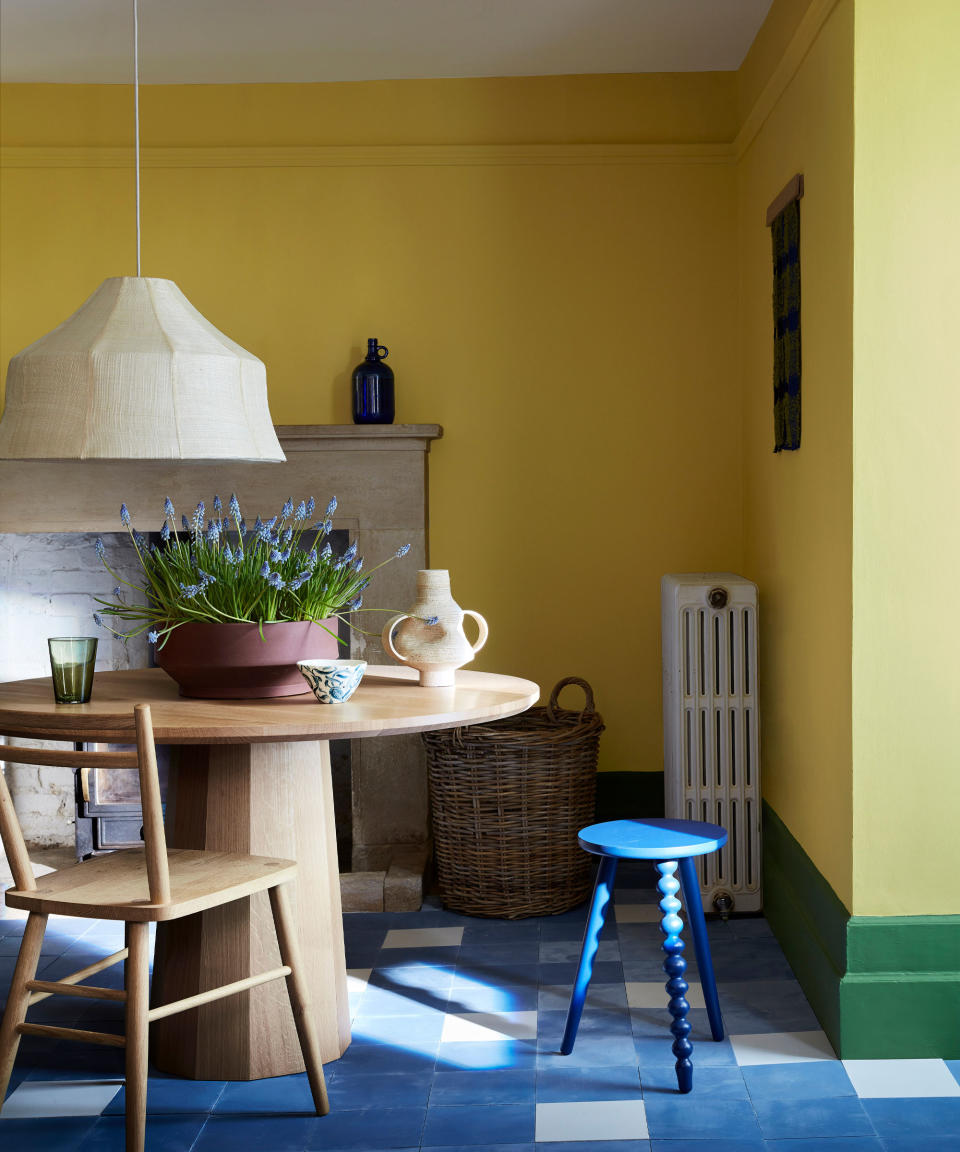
(701, 944)
(674, 965)
(602, 895)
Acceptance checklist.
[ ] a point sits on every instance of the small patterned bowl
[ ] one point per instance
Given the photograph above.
(333, 681)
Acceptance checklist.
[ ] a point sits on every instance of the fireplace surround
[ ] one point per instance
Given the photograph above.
(48, 509)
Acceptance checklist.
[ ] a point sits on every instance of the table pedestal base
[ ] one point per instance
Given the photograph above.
(265, 800)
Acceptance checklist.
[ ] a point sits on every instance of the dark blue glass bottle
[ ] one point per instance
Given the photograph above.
(373, 387)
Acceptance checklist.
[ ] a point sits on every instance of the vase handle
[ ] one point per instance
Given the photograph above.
(482, 625)
(387, 636)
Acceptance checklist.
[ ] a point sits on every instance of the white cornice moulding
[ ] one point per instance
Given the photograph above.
(787, 67)
(387, 156)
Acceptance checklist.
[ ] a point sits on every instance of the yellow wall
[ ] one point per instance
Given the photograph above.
(906, 477)
(569, 320)
(797, 505)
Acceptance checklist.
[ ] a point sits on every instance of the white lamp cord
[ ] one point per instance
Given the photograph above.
(136, 118)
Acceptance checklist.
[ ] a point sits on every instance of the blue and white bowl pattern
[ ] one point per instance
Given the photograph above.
(333, 681)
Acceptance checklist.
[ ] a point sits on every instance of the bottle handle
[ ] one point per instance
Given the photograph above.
(383, 351)
(482, 625)
(387, 636)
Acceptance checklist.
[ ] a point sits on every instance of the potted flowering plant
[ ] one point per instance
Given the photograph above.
(232, 608)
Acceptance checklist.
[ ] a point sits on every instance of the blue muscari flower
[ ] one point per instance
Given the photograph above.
(312, 558)
(358, 564)
(139, 540)
(270, 523)
(263, 533)
(350, 552)
(234, 506)
(355, 603)
(98, 619)
(242, 527)
(213, 534)
(364, 584)
(190, 590)
(154, 549)
(339, 564)
(185, 522)
(165, 532)
(431, 620)
(228, 553)
(301, 512)
(265, 570)
(217, 505)
(300, 578)
(275, 581)
(100, 548)
(311, 504)
(288, 536)
(331, 507)
(205, 578)
(286, 510)
(402, 550)
(275, 556)
(327, 551)
(168, 507)
(153, 637)
(124, 516)
(257, 524)
(327, 527)
(285, 555)
(118, 592)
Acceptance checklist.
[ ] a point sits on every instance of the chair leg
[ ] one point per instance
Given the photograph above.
(137, 1032)
(16, 1011)
(602, 896)
(299, 998)
(674, 966)
(701, 944)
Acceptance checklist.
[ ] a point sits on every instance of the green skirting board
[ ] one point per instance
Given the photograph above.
(881, 986)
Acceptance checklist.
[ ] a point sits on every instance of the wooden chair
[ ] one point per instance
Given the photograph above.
(138, 886)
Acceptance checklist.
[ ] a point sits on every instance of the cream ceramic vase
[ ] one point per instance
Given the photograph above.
(435, 650)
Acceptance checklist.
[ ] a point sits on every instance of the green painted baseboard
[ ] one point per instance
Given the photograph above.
(881, 986)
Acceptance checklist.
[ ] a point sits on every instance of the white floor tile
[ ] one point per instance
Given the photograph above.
(781, 1048)
(46, 1098)
(423, 938)
(653, 995)
(480, 1027)
(879, 1079)
(357, 979)
(638, 914)
(594, 1120)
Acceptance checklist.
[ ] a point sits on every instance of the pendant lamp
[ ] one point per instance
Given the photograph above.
(137, 373)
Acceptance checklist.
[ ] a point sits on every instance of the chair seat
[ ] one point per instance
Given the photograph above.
(652, 839)
(114, 887)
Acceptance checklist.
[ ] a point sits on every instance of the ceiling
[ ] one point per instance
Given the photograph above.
(276, 41)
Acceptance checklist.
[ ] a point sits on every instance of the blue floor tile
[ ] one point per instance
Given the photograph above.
(918, 1118)
(392, 1090)
(724, 1082)
(596, 1146)
(483, 1126)
(558, 1084)
(173, 1096)
(492, 1086)
(693, 1116)
(283, 1095)
(164, 1134)
(712, 1144)
(45, 1135)
(783, 1119)
(475, 1056)
(832, 1144)
(816, 1080)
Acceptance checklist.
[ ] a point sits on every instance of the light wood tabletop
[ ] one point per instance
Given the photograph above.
(253, 776)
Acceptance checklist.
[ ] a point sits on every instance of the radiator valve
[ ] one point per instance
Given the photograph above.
(718, 597)
(723, 903)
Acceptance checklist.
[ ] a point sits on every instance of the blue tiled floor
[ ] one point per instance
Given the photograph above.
(455, 1050)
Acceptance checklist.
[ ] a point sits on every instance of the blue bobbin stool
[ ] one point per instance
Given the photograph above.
(671, 844)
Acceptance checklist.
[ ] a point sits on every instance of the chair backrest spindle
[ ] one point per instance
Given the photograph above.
(158, 871)
(13, 843)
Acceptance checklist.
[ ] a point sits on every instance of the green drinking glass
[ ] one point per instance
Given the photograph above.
(71, 664)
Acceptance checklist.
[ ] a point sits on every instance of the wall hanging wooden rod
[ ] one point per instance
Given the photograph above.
(792, 190)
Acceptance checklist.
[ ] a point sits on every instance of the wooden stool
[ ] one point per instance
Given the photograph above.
(671, 844)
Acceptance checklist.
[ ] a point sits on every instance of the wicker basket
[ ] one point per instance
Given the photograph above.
(508, 799)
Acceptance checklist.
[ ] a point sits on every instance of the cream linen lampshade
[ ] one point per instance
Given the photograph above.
(137, 373)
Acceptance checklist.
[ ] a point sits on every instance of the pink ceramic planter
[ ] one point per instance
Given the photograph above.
(231, 662)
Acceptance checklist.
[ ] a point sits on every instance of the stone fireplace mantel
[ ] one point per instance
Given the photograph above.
(378, 474)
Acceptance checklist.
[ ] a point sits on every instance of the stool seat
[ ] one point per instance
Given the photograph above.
(671, 845)
(652, 839)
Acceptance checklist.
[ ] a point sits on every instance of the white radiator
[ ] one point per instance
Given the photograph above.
(711, 731)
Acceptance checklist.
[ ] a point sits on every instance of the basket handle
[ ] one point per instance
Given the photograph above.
(587, 708)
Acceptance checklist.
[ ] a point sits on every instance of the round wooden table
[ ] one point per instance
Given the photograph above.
(254, 776)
